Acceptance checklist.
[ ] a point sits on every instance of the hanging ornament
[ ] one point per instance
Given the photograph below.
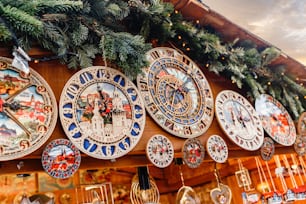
(185, 195)
(243, 177)
(267, 149)
(193, 152)
(222, 194)
(143, 189)
(244, 180)
(300, 145)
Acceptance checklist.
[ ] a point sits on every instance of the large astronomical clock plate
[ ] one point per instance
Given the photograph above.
(239, 120)
(102, 112)
(61, 159)
(301, 125)
(176, 93)
(217, 148)
(275, 120)
(28, 111)
(160, 151)
(193, 152)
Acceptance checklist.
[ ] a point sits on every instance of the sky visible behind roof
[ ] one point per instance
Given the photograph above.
(282, 23)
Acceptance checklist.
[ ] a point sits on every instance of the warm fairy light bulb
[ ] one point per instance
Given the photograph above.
(146, 196)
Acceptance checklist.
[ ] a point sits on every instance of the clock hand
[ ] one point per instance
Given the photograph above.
(18, 123)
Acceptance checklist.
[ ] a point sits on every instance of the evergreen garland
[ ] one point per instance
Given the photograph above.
(121, 32)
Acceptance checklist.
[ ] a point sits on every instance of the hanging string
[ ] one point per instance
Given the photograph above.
(289, 171)
(216, 173)
(270, 175)
(297, 168)
(262, 173)
(303, 165)
(280, 174)
(181, 174)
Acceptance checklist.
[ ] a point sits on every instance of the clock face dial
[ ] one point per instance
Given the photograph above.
(217, 148)
(160, 151)
(267, 149)
(275, 120)
(102, 112)
(193, 152)
(239, 120)
(61, 159)
(176, 93)
(28, 111)
(301, 127)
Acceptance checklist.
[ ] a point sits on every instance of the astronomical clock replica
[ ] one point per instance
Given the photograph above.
(176, 93)
(102, 112)
(28, 111)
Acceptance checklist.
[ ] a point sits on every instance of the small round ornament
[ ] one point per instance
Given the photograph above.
(61, 158)
(193, 152)
(267, 149)
(160, 151)
(300, 145)
(217, 149)
(276, 120)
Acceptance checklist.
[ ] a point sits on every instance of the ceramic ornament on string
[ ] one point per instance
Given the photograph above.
(222, 194)
(193, 152)
(267, 149)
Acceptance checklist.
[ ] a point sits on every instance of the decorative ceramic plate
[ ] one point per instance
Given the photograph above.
(217, 148)
(275, 120)
(193, 152)
(160, 151)
(102, 112)
(239, 120)
(61, 159)
(176, 93)
(28, 111)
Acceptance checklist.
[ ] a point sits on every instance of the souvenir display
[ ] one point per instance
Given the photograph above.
(267, 149)
(300, 145)
(193, 152)
(28, 111)
(301, 126)
(176, 93)
(239, 120)
(160, 151)
(276, 120)
(222, 194)
(61, 159)
(217, 149)
(102, 112)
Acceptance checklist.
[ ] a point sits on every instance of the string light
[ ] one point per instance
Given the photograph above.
(179, 37)
(269, 83)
